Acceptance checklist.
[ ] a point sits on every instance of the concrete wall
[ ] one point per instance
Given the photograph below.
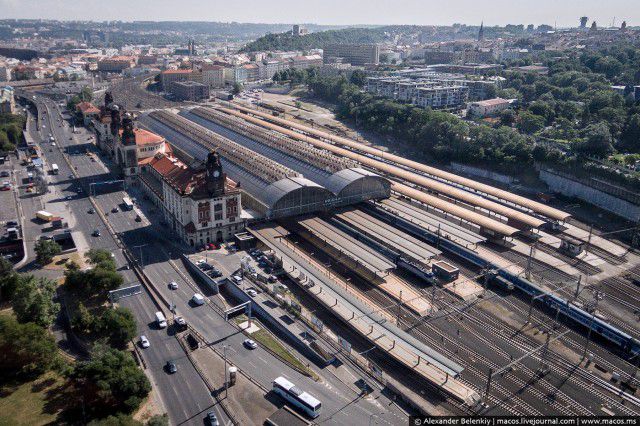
(487, 174)
(591, 195)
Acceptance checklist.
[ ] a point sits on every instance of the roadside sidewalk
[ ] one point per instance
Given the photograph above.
(247, 400)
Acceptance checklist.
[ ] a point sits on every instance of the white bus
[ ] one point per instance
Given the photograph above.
(161, 321)
(54, 169)
(128, 204)
(296, 397)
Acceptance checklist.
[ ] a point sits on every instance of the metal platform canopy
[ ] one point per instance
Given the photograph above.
(361, 254)
(429, 221)
(389, 235)
(348, 182)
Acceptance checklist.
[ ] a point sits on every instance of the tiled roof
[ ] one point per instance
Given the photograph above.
(87, 108)
(145, 137)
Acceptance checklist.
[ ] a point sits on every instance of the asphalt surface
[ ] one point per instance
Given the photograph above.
(184, 393)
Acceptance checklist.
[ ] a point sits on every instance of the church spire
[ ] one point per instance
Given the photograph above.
(481, 32)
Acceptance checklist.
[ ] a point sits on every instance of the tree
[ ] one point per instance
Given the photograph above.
(8, 279)
(101, 258)
(117, 420)
(94, 282)
(117, 325)
(72, 103)
(630, 138)
(83, 320)
(46, 250)
(33, 300)
(237, 88)
(507, 117)
(86, 94)
(25, 349)
(530, 123)
(111, 381)
(597, 140)
(358, 77)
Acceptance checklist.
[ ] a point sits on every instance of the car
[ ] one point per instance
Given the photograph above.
(250, 344)
(96, 233)
(12, 223)
(4, 173)
(173, 285)
(181, 324)
(91, 211)
(237, 278)
(114, 210)
(69, 197)
(171, 367)
(212, 418)
(251, 292)
(144, 342)
(210, 246)
(71, 176)
(197, 299)
(138, 218)
(5, 188)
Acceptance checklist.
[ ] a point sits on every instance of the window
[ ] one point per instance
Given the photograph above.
(218, 216)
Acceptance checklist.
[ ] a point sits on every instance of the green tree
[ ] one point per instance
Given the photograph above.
(358, 77)
(117, 325)
(101, 258)
(8, 279)
(94, 282)
(630, 138)
(507, 117)
(237, 88)
(597, 140)
(530, 123)
(111, 381)
(72, 103)
(83, 320)
(46, 250)
(33, 300)
(117, 420)
(25, 349)
(86, 94)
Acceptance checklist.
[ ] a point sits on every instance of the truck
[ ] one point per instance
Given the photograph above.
(45, 215)
(54, 169)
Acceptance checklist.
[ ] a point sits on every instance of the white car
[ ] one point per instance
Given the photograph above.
(173, 285)
(251, 292)
(197, 299)
(250, 344)
(144, 342)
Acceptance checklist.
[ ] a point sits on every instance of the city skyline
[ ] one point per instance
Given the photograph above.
(353, 12)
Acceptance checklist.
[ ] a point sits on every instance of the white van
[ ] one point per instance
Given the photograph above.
(161, 320)
(197, 299)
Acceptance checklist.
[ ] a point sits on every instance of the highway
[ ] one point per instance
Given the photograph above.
(184, 394)
(341, 403)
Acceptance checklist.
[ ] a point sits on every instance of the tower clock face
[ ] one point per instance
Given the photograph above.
(216, 174)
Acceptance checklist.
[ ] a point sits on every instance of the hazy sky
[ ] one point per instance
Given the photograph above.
(443, 12)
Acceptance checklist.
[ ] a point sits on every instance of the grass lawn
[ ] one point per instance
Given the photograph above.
(37, 402)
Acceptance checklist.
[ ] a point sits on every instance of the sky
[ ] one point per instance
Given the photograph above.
(562, 13)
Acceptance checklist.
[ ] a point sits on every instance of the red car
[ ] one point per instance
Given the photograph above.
(210, 246)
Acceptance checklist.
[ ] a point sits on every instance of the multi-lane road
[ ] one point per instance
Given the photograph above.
(184, 394)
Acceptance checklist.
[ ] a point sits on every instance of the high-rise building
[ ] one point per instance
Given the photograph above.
(583, 22)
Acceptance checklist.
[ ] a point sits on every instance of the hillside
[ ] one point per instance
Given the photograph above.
(286, 41)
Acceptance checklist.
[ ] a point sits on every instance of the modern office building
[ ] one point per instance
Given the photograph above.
(355, 54)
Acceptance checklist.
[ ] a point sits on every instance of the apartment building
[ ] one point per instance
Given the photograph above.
(355, 54)
(441, 97)
(116, 64)
(306, 61)
(189, 90)
(170, 76)
(213, 75)
(7, 101)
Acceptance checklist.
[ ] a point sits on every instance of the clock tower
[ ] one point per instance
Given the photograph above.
(214, 175)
